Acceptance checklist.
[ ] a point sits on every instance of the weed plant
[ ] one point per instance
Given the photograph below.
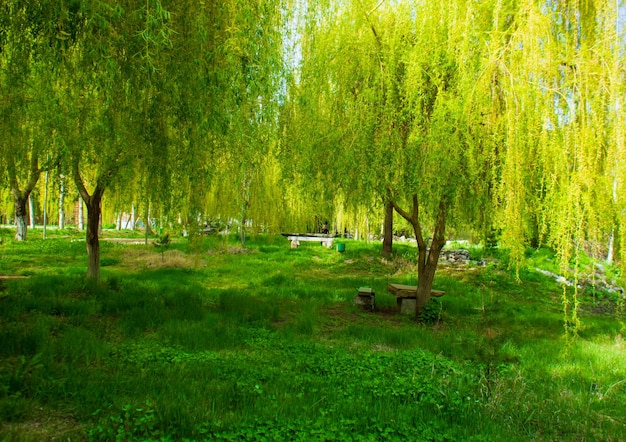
(212, 341)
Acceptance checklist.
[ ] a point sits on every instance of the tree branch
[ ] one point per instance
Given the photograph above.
(78, 180)
(379, 42)
(401, 211)
(33, 174)
(15, 188)
(412, 218)
(376, 7)
(440, 227)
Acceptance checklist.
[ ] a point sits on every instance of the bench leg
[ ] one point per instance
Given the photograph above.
(295, 243)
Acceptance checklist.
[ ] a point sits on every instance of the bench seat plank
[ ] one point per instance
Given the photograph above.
(409, 291)
(323, 239)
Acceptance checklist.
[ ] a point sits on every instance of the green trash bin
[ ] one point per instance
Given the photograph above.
(341, 247)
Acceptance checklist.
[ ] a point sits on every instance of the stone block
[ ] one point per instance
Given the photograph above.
(407, 306)
(366, 298)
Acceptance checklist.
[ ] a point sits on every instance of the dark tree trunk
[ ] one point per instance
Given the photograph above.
(94, 205)
(427, 258)
(388, 230)
(92, 239)
(428, 264)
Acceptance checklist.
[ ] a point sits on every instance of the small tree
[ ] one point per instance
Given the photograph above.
(162, 243)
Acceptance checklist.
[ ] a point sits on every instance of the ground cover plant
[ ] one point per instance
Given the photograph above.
(208, 340)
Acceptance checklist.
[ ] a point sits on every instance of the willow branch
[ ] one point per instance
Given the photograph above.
(78, 180)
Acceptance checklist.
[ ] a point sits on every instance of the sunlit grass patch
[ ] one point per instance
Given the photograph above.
(145, 258)
(382, 337)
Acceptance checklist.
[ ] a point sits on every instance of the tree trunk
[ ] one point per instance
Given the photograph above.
(81, 215)
(388, 230)
(20, 198)
(31, 211)
(93, 241)
(45, 206)
(610, 247)
(428, 264)
(427, 258)
(100, 220)
(147, 223)
(244, 213)
(94, 208)
(61, 201)
(20, 217)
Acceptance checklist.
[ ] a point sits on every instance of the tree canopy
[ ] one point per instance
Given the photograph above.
(494, 116)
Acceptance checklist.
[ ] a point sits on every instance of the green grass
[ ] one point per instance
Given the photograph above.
(212, 341)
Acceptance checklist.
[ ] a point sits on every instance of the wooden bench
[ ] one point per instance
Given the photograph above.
(406, 295)
(295, 239)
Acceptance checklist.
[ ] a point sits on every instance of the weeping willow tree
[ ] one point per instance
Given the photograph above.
(384, 99)
(29, 45)
(245, 179)
(154, 87)
(563, 85)
(326, 123)
(493, 115)
(109, 74)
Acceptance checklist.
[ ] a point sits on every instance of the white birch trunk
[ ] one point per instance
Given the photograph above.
(31, 211)
(20, 218)
(610, 253)
(81, 216)
(20, 224)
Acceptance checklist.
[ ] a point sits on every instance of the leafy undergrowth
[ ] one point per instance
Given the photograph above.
(212, 341)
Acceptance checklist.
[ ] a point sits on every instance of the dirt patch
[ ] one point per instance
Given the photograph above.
(8, 278)
(46, 426)
(491, 333)
(149, 259)
(344, 316)
(231, 250)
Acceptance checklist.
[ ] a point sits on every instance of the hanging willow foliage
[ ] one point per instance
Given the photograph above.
(512, 112)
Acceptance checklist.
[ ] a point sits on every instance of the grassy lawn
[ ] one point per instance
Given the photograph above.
(212, 341)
